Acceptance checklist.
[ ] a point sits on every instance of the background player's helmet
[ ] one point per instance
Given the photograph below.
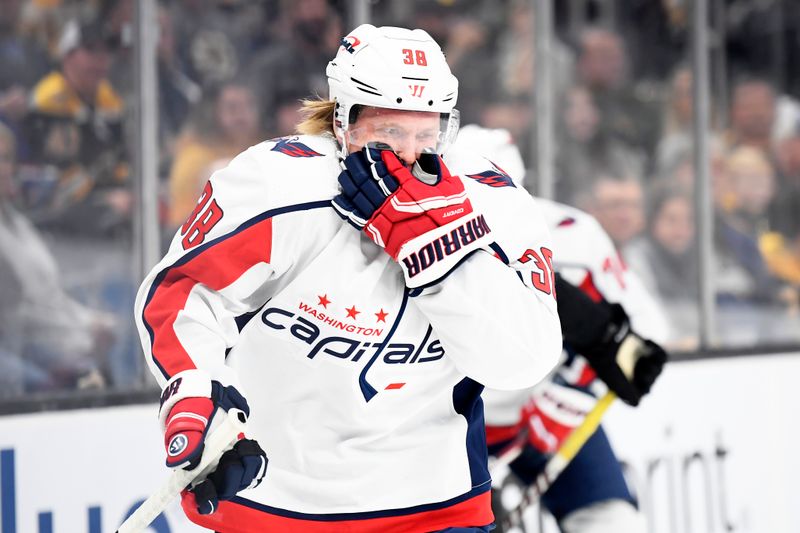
(496, 145)
(393, 68)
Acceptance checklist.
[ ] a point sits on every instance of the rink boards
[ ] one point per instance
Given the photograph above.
(710, 451)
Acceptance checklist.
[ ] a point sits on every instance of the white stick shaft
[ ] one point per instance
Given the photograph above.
(221, 440)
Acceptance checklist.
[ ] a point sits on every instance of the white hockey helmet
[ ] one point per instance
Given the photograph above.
(392, 68)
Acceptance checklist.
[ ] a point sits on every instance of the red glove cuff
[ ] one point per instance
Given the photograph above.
(185, 432)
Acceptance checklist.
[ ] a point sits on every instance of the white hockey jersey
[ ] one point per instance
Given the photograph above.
(365, 397)
(585, 257)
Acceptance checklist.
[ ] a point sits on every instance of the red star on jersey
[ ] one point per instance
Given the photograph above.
(323, 300)
(381, 315)
(352, 312)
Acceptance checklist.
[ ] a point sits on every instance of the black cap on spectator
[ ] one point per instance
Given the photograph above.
(92, 34)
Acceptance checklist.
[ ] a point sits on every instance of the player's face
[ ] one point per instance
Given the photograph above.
(409, 133)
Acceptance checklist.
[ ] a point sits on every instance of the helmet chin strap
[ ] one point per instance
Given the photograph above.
(341, 147)
(341, 125)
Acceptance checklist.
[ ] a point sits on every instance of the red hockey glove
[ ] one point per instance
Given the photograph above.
(188, 424)
(184, 436)
(428, 226)
(553, 412)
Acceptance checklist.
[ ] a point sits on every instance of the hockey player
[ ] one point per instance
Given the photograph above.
(590, 496)
(351, 293)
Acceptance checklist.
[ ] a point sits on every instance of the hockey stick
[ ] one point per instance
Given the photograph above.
(629, 352)
(558, 462)
(218, 443)
(572, 445)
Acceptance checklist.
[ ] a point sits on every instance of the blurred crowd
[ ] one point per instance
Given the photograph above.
(624, 148)
(233, 72)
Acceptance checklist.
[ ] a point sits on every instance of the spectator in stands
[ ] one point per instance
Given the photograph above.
(665, 258)
(75, 124)
(468, 40)
(470, 53)
(225, 123)
(517, 55)
(516, 116)
(752, 182)
(177, 92)
(584, 150)
(23, 59)
(743, 283)
(657, 33)
(676, 137)
(752, 115)
(752, 303)
(22, 63)
(761, 116)
(680, 171)
(286, 115)
(741, 275)
(48, 341)
(627, 113)
(785, 210)
(43, 20)
(762, 37)
(215, 38)
(617, 202)
(296, 64)
(781, 252)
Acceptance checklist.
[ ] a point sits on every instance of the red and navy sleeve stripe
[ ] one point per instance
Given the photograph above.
(215, 264)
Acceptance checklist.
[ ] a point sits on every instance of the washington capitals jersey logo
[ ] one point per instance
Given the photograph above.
(493, 178)
(293, 148)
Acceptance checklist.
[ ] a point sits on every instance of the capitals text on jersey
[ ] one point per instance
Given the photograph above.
(347, 348)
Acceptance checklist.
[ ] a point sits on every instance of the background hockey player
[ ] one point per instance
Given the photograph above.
(345, 285)
(590, 496)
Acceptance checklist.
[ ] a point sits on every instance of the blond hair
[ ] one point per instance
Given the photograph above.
(749, 159)
(317, 117)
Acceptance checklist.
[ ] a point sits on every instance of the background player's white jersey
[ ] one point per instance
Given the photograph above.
(359, 389)
(583, 254)
(496, 144)
(585, 257)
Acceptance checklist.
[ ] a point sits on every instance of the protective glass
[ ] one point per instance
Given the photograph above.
(409, 133)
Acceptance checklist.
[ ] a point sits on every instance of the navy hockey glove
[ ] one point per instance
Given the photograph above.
(366, 183)
(187, 427)
(240, 468)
